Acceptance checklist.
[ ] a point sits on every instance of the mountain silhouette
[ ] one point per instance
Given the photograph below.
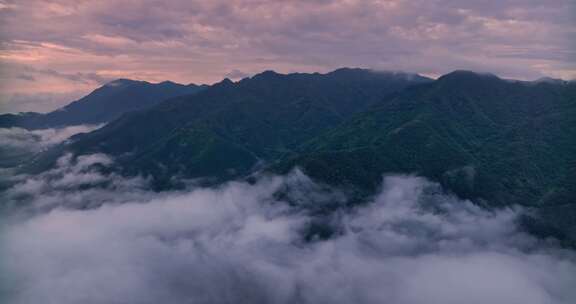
(102, 105)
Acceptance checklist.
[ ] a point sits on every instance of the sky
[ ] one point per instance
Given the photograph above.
(52, 52)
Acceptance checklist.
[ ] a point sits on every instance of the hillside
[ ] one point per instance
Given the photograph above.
(102, 105)
(227, 129)
(496, 142)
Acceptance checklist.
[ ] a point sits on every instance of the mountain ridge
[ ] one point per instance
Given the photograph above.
(490, 140)
(267, 114)
(101, 105)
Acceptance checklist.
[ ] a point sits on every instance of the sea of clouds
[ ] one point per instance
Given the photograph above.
(77, 235)
(39, 139)
(18, 145)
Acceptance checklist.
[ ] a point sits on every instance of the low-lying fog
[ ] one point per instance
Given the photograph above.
(74, 235)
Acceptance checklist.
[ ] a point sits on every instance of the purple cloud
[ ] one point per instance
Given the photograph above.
(202, 41)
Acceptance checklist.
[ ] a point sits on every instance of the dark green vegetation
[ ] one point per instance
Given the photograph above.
(486, 139)
(509, 142)
(102, 105)
(494, 141)
(230, 128)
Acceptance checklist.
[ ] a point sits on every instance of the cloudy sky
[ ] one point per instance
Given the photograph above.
(54, 51)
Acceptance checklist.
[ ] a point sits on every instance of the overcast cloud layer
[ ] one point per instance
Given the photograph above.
(66, 243)
(63, 48)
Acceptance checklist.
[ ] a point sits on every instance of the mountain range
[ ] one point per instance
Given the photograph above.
(496, 142)
(102, 105)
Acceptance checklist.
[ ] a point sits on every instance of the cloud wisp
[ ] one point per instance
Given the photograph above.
(17, 144)
(39, 139)
(92, 237)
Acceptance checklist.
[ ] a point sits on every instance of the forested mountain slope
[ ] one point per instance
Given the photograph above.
(497, 142)
(102, 105)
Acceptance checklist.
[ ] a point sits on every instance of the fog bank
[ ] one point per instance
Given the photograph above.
(74, 235)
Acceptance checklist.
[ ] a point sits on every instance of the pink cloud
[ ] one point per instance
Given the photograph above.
(201, 41)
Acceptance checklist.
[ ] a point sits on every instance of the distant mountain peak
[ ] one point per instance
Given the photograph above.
(102, 105)
(465, 76)
(193, 85)
(169, 82)
(268, 74)
(549, 80)
(226, 82)
(344, 73)
(350, 70)
(122, 82)
(354, 73)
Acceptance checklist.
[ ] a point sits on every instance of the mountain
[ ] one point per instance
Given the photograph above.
(496, 142)
(102, 105)
(228, 128)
